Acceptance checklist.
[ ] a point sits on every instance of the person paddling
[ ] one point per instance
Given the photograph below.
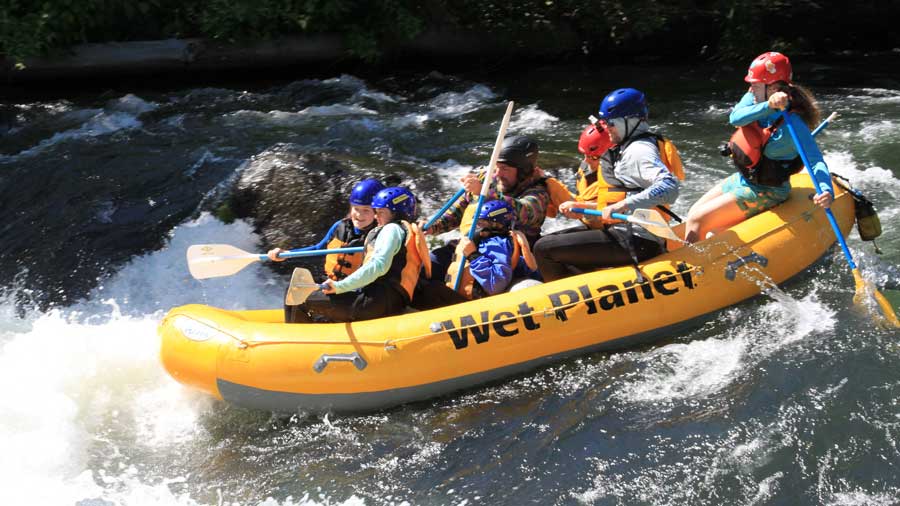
(634, 177)
(347, 232)
(590, 185)
(762, 150)
(519, 182)
(384, 282)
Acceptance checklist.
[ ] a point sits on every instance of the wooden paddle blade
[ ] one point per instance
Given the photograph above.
(866, 293)
(216, 260)
(654, 223)
(302, 285)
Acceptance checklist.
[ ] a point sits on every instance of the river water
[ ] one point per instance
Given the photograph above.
(791, 398)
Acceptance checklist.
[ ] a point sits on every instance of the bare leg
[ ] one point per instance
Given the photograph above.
(713, 215)
(693, 225)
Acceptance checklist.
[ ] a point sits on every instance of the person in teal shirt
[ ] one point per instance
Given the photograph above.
(763, 150)
(384, 283)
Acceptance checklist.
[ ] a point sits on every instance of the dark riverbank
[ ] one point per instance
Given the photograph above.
(168, 43)
(174, 64)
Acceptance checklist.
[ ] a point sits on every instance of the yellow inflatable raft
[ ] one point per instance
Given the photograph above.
(252, 359)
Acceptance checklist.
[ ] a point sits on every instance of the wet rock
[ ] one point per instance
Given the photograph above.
(293, 197)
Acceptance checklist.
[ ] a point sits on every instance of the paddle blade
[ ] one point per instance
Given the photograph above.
(216, 260)
(866, 293)
(654, 223)
(302, 285)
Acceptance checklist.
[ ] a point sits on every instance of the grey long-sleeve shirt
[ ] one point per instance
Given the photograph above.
(638, 167)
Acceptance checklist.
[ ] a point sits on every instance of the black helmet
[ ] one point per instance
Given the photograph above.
(520, 151)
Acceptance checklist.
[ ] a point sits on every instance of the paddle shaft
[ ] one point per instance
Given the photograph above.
(812, 175)
(485, 187)
(443, 210)
(824, 124)
(314, 252)
(596, 212)
(653, 228)
(306, 285)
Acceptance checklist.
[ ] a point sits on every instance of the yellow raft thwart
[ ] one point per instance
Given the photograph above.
(253, 359)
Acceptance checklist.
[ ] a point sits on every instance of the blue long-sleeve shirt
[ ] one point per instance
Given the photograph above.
(493, 269)
(780, 145)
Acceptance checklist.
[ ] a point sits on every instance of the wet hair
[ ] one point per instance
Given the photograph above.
(802, 102)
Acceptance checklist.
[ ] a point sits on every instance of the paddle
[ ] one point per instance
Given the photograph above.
(647, 218)
(301, 286)
(824, 124)
(485, 186)
(864, 288)
(459, 193)
(216, 260)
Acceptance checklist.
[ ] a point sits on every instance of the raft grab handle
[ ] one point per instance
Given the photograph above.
(731, 270)
(325, 359)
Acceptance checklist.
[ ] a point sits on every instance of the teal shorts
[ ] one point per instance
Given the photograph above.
(754, 199)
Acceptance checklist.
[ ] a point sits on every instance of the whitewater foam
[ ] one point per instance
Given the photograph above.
(530, 119)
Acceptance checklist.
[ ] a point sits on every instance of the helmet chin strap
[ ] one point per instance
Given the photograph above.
(628, 131)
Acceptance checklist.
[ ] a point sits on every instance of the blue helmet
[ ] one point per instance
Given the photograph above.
(624, 103)
(398, 200)
(498, 211)
(364, 191)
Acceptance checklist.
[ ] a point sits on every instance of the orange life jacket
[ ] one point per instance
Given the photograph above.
(747, 151)
(558, 194)
(609, 190)
(403, 273)
(467, 283)
(748, 143)
(339, 266)
(593, 187)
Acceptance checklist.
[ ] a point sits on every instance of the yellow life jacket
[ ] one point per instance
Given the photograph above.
(467, 283)
(339, 266)
(465, 223)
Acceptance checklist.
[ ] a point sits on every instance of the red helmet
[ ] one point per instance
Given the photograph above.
(594, 140)
(769, 68)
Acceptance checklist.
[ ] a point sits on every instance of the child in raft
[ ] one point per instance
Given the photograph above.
(497, 256)
(384, 282)
(347, 232)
